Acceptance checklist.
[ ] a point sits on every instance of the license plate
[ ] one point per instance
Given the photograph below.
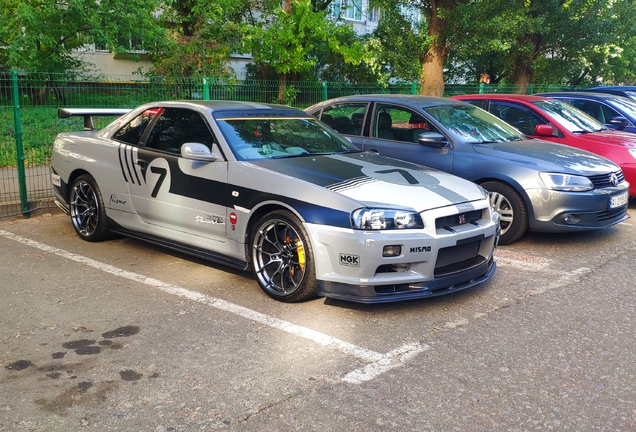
(619, 200)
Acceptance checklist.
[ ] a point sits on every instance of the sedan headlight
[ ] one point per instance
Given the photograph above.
(566, 182)
(385, 219)
(632, 152)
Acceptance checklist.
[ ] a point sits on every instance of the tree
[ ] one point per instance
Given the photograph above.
(200, 39)
(284, 38)
(41, 35)
(525, 41)
(438, 22)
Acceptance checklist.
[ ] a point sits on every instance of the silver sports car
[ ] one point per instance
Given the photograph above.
(269, 188)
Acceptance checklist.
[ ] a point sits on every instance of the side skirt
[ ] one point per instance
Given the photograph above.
(182, 248)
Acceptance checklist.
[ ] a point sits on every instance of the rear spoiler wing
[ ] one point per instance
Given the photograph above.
(88, 114)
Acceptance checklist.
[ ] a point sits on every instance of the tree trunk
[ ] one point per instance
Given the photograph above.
(282, 85)
(432, 75)
(522, 75)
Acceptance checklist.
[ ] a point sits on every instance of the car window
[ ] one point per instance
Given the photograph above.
(628, 106)
(401, 124)
(472, 124)
(132, 131)
(517, 116)
(177, 126)
(569, 117)
(266, 138)
(599, 111)
(346, 118)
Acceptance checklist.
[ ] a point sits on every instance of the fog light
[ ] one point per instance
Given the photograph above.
(392, 251)
(572, 219)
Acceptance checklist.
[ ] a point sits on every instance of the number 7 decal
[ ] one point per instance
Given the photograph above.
(162, 175)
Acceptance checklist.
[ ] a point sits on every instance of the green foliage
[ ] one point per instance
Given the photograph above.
(518, 41)
(42, 35)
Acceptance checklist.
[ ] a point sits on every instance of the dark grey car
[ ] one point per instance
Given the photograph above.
(533, 184)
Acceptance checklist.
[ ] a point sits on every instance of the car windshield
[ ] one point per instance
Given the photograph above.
(573, 119)
(473, 124)
(268, 138)
(626, 105)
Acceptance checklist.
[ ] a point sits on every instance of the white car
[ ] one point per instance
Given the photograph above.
(268, 187)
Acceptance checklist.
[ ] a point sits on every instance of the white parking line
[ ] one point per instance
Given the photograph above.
(521, 260)
(379, 363)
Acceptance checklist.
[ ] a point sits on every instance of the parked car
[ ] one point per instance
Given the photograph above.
(269, 187)
(615, 112)
(626, 91)
(532, 184)
(553, 120)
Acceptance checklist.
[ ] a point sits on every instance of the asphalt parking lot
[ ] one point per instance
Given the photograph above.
(126, 336)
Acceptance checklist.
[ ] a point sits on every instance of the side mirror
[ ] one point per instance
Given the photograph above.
(620, 122)
(198, 152)
(544, 130)
(432, 139)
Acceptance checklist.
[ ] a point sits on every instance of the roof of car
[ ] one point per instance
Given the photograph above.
(500, 96)
(418, 100)
(604, 96)
(217, 105)
(622, 88)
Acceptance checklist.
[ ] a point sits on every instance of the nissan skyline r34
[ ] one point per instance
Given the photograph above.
(269, 188)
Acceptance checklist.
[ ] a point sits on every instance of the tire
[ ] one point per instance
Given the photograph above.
(282, 258)
(88, 213)
(513, 214)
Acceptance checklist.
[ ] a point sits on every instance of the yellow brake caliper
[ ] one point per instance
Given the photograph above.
(300, 250)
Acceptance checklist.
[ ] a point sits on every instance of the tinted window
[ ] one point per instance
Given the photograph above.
(346, 118)
(132, 131)
(517, 116)
(398, 123)
(177, 126)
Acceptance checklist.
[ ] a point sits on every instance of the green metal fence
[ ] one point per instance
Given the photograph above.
(29, 123)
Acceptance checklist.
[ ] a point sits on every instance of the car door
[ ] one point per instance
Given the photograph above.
(170, 191)
(394, 130)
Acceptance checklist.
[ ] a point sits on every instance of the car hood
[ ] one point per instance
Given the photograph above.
(609, 137)
(374, 180)
(547, 156)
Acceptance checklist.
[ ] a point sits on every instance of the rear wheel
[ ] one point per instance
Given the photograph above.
(513, 215)
(282, 257)
(87, 210)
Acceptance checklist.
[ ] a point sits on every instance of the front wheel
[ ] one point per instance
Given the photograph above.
(87, 210)
(513, 215)
(282, 257)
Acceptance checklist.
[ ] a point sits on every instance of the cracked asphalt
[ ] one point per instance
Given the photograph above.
(126, 336)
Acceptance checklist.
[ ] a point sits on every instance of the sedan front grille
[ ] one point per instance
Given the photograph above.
(608, 215)
(604, 180)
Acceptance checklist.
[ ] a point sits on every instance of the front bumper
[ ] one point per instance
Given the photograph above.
(586, 210)
(351, 264)
(398, 292)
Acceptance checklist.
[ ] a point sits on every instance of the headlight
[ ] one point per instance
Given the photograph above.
(385, 219)
(632, 152)
(566, 182)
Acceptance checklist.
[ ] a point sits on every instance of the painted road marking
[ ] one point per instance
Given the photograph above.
(521, 260)
(379, 363)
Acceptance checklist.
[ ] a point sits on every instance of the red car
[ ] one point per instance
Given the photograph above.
(556, 121)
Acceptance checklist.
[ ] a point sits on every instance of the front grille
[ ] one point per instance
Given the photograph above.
(457, 258)
(604, 180)
(607, 215)
(458, 219)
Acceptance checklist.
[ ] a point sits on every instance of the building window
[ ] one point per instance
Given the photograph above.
(348, 9)
(374, 14)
